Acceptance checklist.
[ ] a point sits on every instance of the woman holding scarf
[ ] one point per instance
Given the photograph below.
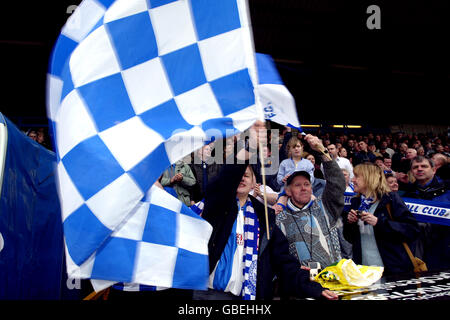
(376, 237)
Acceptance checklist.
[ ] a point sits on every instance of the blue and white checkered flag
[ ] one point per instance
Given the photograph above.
(133, 86)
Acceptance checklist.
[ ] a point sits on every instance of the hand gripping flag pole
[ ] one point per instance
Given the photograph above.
(263, 173)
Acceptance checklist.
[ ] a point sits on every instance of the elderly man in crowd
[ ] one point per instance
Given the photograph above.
(308, 222)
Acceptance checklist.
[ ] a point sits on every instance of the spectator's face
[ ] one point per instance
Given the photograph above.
(439, 160)
(411, 153)
(311, 158)
(387, 162)
(33, 136)
(362, 146)
(40, 137)
(379, 163)
(297, 150)
(403, 147)
(422, 171)
(359, 183)
(346, 176)
(247, 182)
(332, 150)
(343, 153)
(205, 152)
(300, 191)
(392, 182)
(266, 152)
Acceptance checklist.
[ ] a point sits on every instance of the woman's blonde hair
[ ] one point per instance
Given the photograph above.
(291, 145)
(374, 179)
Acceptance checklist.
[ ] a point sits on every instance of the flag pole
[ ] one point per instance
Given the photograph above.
(244, 10)
(263, 173)
(95, 295)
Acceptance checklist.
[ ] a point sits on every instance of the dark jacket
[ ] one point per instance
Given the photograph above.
(397, 165)
(437, 190)
(363, 156)
(212, 170)
(221, 211)
(389, 234)
(435, 238)
(271, 179)
(444, 172)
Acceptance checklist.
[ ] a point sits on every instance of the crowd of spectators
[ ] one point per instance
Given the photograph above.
(380, 168)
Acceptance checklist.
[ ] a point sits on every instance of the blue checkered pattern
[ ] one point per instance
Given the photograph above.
(133, 86)
(277, 102)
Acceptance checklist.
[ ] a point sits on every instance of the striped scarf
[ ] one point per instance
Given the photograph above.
(249, 258)
(251, 237)
(366, 203)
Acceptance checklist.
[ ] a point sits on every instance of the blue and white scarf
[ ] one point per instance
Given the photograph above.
(366, 203)
(251, 240)
(236, 270)
(351, 186)
(198, 207)
(369, 248)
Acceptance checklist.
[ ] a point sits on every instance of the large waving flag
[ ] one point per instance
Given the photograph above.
(133, 86)
(278, 103)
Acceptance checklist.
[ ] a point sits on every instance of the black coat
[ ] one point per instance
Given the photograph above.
(221, 211)
(212, 170)
(363, 156)
(389, 234)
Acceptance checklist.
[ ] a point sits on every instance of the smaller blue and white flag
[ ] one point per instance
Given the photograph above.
(278, 103)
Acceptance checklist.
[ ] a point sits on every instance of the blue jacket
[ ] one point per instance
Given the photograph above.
(389, 234)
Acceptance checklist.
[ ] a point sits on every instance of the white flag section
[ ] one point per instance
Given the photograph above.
(277, 102)
(133, 86)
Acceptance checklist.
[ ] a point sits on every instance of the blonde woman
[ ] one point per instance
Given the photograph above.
(376, 238)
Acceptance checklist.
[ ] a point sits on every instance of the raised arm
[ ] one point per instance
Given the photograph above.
(333, 195)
